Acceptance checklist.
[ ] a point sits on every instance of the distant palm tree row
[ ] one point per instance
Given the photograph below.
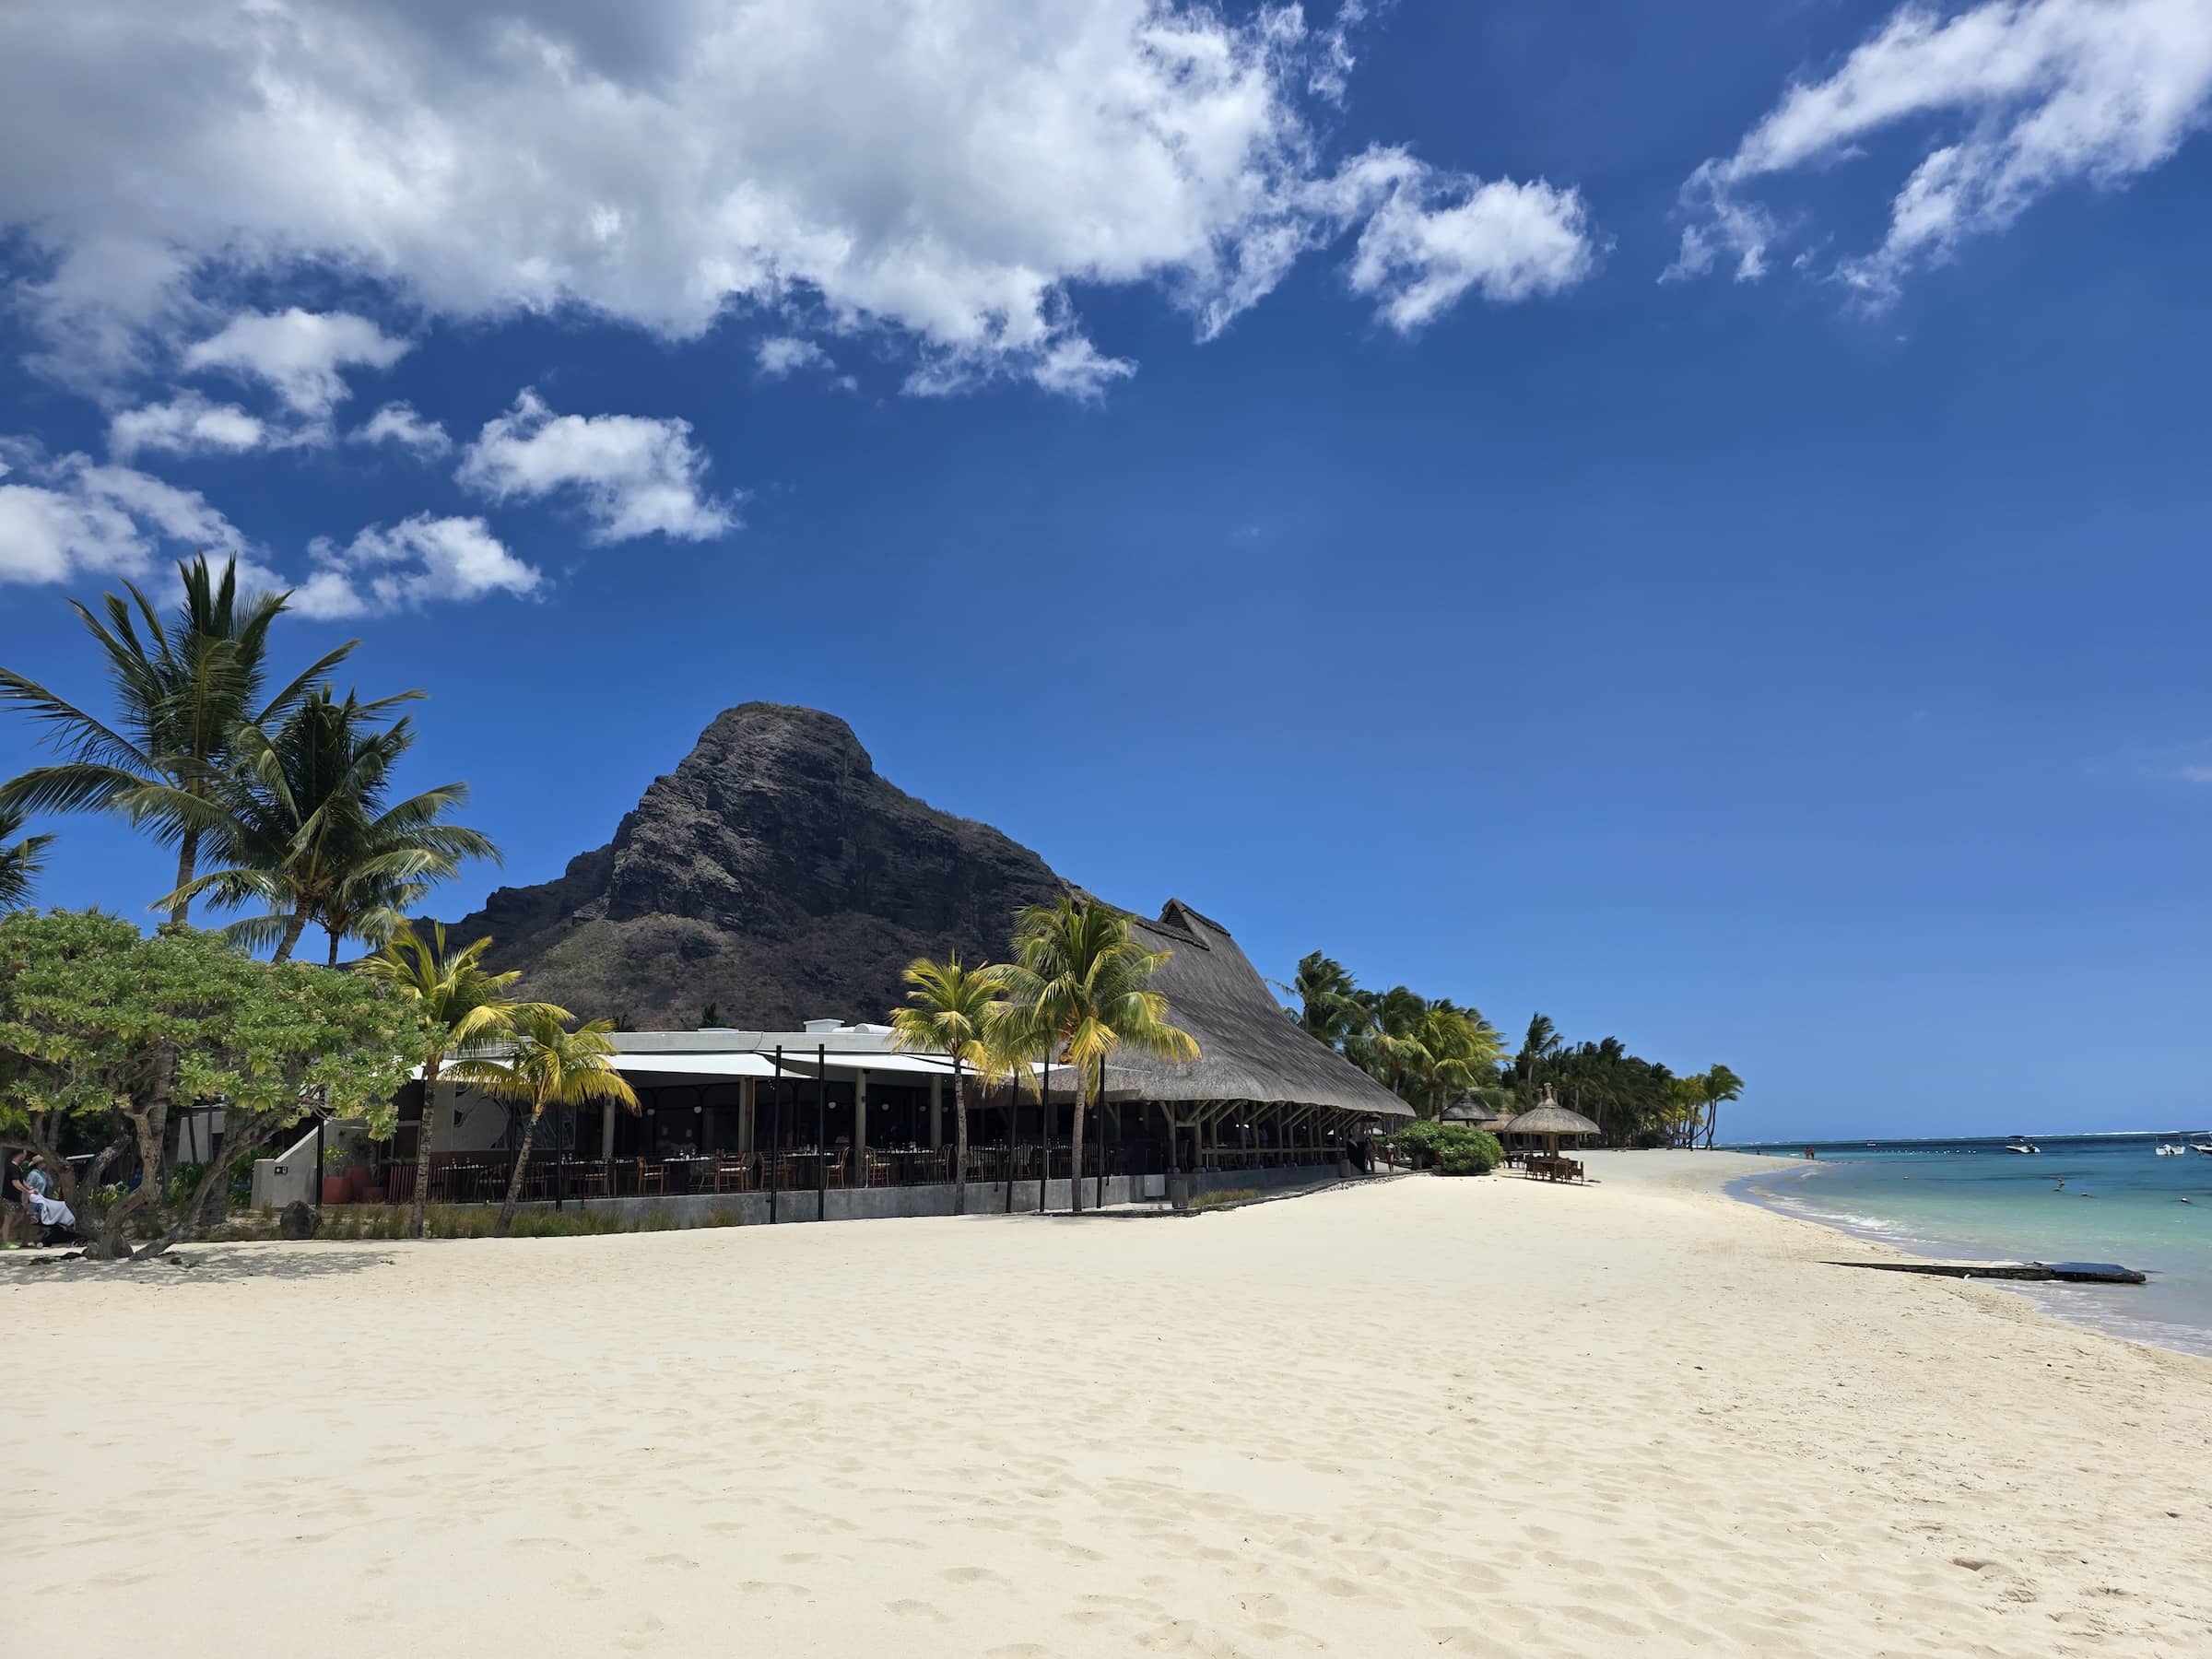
(1077, 990)
(1432, 1052)
(278, 802)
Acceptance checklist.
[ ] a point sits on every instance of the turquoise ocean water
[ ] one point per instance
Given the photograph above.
(1970, 1200)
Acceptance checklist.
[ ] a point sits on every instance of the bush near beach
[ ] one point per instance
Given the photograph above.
(1448, 1148)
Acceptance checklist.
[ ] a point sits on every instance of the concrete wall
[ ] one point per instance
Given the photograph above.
(868, 1203)
(1236, 1180)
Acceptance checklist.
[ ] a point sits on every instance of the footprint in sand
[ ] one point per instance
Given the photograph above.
(908, 1607)
(971, 1575)
(670, 1560)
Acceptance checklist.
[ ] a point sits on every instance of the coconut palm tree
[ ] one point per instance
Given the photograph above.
(466, 1006)
(20, 864)
(1721, 1084)
(547, 1064)
(951, 1010)
(184, 690)
(1454, 1049)
(306, 830)
(1328, 1001)
(1079, 988)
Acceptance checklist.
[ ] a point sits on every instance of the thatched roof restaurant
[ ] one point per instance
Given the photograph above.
(742, 1115)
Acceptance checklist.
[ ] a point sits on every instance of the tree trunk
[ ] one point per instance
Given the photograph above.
(188, 862)
(335, 937)
(422, 1144)
(959, 1143)
(250, 1140)
(292, 930)
(521, 1167)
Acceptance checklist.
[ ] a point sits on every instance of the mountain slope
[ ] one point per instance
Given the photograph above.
(772, 874)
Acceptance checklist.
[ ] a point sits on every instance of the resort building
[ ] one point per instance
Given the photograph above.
(832, 1121)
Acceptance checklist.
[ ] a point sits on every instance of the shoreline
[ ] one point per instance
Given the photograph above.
(2114, 1312)
(1485, 1416)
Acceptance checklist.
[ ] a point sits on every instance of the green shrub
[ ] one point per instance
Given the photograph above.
(1448, 1148)
(1232, 1195)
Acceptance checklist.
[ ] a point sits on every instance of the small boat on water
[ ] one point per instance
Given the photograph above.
(2203, 1146)
(2020, 1143)
(2171, 1149)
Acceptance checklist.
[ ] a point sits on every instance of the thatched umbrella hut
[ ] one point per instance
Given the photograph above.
(1551, 1121)
(1471, 1112)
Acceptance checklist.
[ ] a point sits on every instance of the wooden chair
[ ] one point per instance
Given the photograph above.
(652, 1178)
(589, 1181)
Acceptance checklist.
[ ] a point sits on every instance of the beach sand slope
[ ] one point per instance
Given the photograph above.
(1424, 1416)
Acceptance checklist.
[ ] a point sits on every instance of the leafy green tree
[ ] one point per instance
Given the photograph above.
(547, 1064)
(951, 1010)
(465, 1008)
(183, 689)
(308, 830)
(107, 1032)
(1079, 987)
(19, 864)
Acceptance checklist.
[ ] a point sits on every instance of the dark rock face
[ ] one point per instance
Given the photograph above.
(772, 874)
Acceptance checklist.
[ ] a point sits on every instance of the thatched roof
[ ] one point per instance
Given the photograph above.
(1248, 1048)
(1470, 1111)
(1551, 1118)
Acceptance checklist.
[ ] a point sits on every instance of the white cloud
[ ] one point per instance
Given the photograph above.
(68, 517)
(954, 171)
(2015, 98)
(784, 355)
(636, 475)
(1431, 240)
(298, 354)
(414, 561)
(189, 425)
(398, 423)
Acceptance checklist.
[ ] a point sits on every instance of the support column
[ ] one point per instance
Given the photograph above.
(860, 1128)
(747, 1111)
(606, 1139)
(936, 1112)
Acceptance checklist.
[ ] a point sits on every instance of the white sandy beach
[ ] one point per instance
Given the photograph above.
(1486, 1417)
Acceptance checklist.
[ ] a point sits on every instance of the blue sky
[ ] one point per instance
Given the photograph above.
(1797, 661)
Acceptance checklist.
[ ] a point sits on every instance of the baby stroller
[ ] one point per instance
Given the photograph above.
(56, 1220)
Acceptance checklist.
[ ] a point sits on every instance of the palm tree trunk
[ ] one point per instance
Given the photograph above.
(292, 930)
(521, 1167)
(188, 862)
(1074, 1151)
(333, 949)
(422, 1143)
(959, 1143)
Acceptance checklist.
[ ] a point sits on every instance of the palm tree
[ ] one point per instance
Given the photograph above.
(466, 1006)
(951, 1010)
(20, 864)
(1454, 1049)
(1721, 1084)
(307, 832)
(184, 690)
(547, 1065)
(1079, 988)
(1328, 1003)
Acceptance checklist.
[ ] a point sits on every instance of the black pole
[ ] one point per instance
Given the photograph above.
(1097, 1107)
(775, 1133)
(1044, 1131)
(821, 1131)
(317, 1185)
(561, 1162)
(1013, 1121)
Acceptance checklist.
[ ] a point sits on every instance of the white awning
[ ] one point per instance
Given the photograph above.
(935, 1065)
(695, 1066)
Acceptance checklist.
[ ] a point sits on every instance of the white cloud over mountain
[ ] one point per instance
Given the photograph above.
(2016, 99)
(951, 170)
(417, 561)
(633, 476)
